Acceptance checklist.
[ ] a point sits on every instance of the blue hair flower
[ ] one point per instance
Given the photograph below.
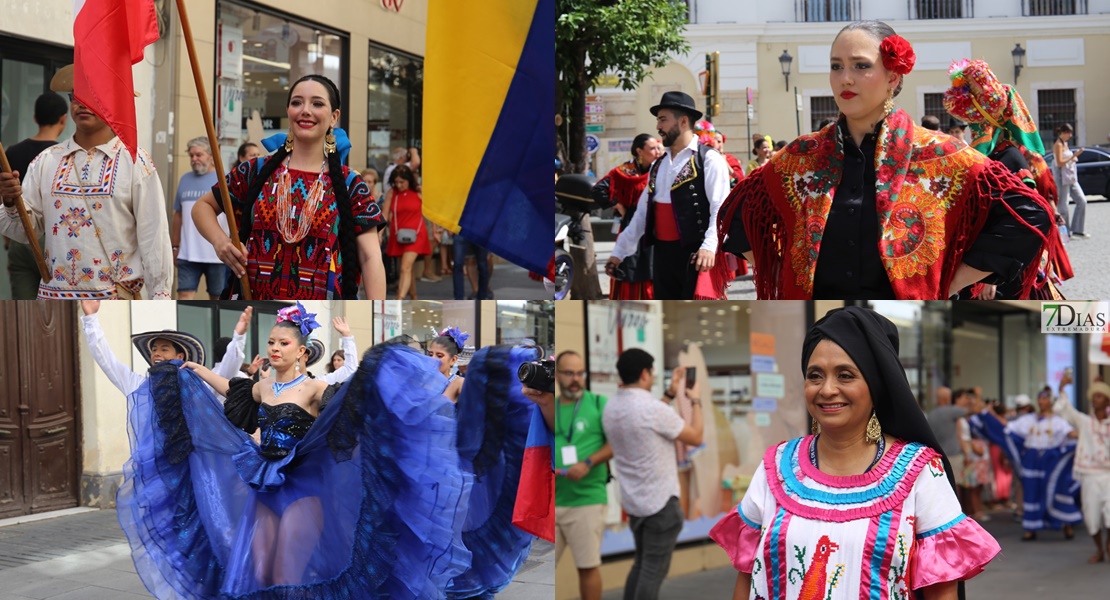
(300, 317)
(457, 335)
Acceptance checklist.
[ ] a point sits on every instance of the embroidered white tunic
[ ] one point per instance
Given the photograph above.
(105, 222)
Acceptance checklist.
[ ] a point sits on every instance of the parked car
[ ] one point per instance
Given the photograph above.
(1093, 169)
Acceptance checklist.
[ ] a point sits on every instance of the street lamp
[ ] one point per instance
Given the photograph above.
(1019, 60)
(785, 61)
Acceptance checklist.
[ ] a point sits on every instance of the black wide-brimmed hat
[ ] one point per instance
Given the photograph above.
(680, 101)
(315, 352)
(953, 122)
(184, 342)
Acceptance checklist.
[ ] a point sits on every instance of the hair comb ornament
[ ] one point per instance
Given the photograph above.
(299, 316)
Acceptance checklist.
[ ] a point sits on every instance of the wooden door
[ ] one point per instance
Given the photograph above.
(40, 454)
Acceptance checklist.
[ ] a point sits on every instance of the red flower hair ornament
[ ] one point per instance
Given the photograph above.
(897, 54)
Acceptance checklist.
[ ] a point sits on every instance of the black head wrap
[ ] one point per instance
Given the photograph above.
(871, 340)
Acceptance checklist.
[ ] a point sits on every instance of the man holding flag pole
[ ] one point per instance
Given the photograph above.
(97, 197)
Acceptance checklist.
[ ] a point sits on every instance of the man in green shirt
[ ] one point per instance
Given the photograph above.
(581, 454)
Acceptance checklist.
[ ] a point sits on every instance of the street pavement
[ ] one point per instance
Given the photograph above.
(507, 282)
(1048, 568)
(1091, 281)
(85, 556)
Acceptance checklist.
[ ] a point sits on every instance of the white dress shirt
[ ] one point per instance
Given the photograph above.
(716, 174)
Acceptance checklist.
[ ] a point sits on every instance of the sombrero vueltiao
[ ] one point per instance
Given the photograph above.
(184, 342)
(315, 351)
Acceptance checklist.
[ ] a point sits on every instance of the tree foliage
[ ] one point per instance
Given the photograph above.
(627, 38)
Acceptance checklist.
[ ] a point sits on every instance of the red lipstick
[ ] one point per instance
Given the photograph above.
(848, 95)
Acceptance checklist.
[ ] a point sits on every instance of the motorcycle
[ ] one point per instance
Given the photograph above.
(572, 202)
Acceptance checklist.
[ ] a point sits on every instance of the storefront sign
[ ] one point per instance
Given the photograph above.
(393, 5)
(770, 385)
(230, 111)
(267, 122)
(763, 364)
(765, 404)
(230, 65)
(762, 419)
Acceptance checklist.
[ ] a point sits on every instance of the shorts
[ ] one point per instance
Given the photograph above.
(188, 277)
(580, 528)
(1094, 494)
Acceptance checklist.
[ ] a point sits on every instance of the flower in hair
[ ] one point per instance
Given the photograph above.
(897, 54)
(457, 335)
(299, 316)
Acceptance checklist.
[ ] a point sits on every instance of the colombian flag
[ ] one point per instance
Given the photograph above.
(535, 498)
(489, 135)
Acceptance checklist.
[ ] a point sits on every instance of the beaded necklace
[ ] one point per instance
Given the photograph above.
(878, 452)
(294, 229)
(280, 387)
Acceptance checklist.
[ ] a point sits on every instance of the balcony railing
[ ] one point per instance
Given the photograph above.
(941, 9)
(1052, 8)
(818, 11)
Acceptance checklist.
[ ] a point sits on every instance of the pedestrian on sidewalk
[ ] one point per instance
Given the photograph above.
(642, 431)
(677, 210)
(1092, 461)
(192, 254)
(1066, 162)
(867, 504)
(582, 453)
(823, 222)
(408, 238)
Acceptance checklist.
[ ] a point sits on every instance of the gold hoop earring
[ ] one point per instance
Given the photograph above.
(874, 430)
(289, 142)
(329, 142)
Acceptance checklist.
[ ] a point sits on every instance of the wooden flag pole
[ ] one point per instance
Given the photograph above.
(27, 226)
(225, 196)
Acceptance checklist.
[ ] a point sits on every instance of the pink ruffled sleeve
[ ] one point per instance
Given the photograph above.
(738, 538)
(960, 551)
(948, 546)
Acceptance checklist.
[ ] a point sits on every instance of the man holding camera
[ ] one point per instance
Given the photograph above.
(642, 431)
(677, 211)
(581, 454)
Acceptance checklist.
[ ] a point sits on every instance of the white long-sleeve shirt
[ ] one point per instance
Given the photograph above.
(122, 376)
(350, 362)
(1041, 432)
(1092, 456)
(716, 175)
(104, 220)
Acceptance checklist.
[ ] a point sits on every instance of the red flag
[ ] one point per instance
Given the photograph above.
(534, 511)
(108, 37)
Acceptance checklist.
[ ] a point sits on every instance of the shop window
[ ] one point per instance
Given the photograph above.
(25, 72)
(820, 109)
(209, 321)
(526, 322)
(394, 104)
(261, 53)
(1054, 108)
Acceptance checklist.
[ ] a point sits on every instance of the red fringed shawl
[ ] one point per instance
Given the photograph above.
(626, 184)
(933, 199)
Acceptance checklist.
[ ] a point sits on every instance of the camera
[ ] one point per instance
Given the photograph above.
(538, 375)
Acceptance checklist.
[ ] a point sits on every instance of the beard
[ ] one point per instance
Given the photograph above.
(669, 137)
(200, 169)
(575, 394)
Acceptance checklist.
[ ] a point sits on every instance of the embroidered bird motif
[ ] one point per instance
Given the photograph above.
(813, 585)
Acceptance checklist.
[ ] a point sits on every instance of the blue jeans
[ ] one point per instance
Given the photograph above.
(188, 277)
(482, 256)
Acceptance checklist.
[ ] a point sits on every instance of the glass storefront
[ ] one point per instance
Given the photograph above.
(394, 104)
(261, 52)
(25, 72)
(521, 321)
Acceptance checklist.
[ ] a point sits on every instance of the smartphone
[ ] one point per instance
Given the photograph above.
(691, 376)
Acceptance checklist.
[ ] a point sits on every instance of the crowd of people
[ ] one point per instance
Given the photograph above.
(310, 226)
(869, 206)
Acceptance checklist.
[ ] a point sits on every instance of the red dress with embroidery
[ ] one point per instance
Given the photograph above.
(308, 269)
(625, 184)
(406, 213)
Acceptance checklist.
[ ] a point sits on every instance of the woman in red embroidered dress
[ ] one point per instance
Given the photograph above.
(404, 210)
(624, 185)
(876, 206)
(309, 224)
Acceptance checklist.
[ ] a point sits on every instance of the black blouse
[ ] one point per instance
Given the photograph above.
(849, 266)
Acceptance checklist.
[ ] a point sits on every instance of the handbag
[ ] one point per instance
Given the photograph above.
(404, 236)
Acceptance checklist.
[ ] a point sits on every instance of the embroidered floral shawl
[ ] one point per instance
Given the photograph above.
(626, 183)
(933, 199)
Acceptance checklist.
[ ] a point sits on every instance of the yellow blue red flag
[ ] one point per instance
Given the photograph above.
(489, 136)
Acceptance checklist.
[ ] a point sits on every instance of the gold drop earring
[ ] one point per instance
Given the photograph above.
(329, 142)
(289, 142)
(874, 430)
(888, 106)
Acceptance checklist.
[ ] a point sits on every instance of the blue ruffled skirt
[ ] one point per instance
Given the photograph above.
(370, 504)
